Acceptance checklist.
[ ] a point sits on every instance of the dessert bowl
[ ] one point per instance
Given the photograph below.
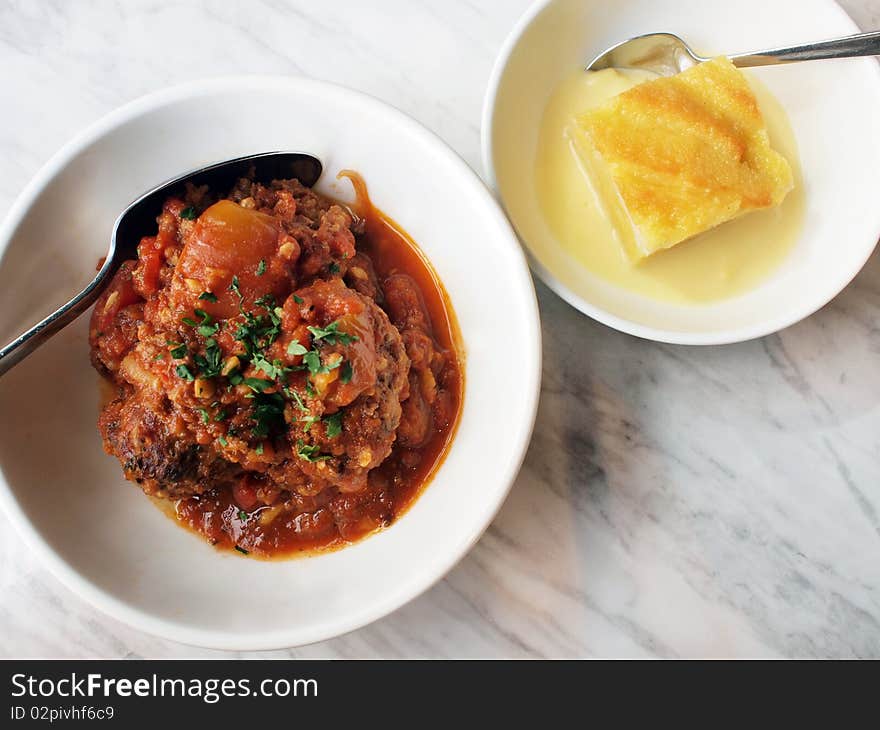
(832, 107)
(70, 501)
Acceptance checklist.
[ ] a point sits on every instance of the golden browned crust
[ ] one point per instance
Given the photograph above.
(683, 154)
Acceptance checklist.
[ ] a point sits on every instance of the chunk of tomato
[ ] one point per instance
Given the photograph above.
(228, 240)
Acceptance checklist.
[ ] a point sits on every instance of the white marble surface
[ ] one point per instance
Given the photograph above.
(675, 501)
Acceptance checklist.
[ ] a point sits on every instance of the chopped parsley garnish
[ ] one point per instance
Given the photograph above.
(242, 515)
(294, 396)
(310, 452)
(189, 214)
(333, 424)
(261, 267)
(206, 327)
(233, 287)
(334, 268)
(258, 385)
(298, 300)
(312, 360)
(346, 373)
(267, 302)
(294, 348)
(242, 550)
(160, 356)
(267, 414)
(309, 421)
(211, 362)
(331, 334)
(258, 332)
(274, 369)
(184, 372)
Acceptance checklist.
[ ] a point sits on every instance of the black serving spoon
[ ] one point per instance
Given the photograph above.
(139, 219)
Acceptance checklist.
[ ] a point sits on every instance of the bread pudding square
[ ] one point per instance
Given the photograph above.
(676, 156)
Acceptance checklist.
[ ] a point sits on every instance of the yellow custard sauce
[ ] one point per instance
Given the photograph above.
(718, 264)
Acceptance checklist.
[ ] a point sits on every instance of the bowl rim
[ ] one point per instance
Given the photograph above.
(318, 630)
(656, 334)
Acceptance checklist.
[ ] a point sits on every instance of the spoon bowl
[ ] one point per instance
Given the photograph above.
(666, 54)
(662, 53)
(137, 219)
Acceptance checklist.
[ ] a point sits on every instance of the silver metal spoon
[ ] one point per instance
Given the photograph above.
(139, 219)
(667, 54)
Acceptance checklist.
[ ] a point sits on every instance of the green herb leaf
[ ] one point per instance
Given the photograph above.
(223, 441)
(211, 362)
(261, 267)
(331, 334)
(333, 424)
(258, 385)
(189, 214)
(205, 415)
(220, 416)
(242, 550)
(334, 268)
(267, 414)
(233, 287)
(309, 421)
(294, 396)
(294, 348)
(160, 356)
(346, 373)
(274, 369)
(207, 296)
(298, 300)
(312, 360)
(310, 452)
(184, 372)
(259, 449)
(242, 515)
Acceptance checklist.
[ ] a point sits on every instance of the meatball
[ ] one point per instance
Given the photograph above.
(141, 431)
(359, 401)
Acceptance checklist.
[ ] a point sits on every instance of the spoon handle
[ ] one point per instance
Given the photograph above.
(862, 44)
(27, 342)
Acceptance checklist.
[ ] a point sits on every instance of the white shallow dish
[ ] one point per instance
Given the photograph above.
(834, 108)
(97, 532)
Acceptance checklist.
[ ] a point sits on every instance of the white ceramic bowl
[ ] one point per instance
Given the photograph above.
(97, 532)
(834, 108)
